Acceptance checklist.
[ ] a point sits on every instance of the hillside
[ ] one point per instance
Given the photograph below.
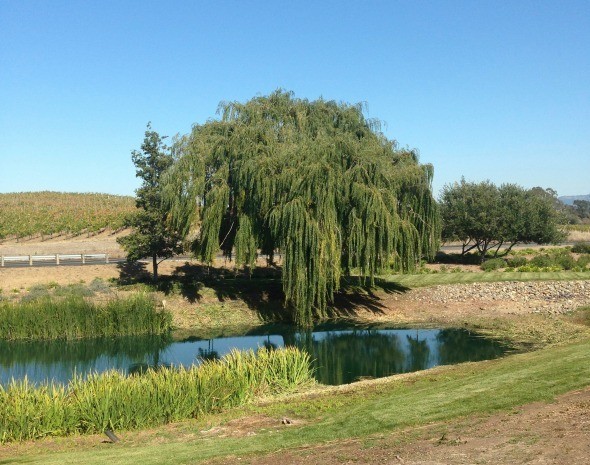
(569, 199)
(27, 214)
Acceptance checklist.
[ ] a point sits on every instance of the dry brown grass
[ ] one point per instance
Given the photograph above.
(578, 236)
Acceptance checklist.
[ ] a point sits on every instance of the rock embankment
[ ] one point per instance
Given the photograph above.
(553, 297)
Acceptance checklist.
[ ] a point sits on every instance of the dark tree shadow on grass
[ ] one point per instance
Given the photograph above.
(261, 290)
(132, 272)
(354, 295)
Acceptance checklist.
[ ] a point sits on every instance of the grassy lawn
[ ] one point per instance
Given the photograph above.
(424, 280)
(400, 402)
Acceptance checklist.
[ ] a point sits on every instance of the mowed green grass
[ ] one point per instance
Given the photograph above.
(401, 402)
(424, 280)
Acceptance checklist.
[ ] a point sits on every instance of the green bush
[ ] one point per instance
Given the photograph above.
(583, 261)
(537, 269)
(114, 401)
(517, 261)
(554, 251)
(520, 252)
(564, 261)
(493, 264)
(542, 261)
(582, 247)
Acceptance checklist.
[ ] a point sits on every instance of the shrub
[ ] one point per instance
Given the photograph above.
(536, 269)
(542, 261)
(493, 264)
(517, 261)
(583, 247)
(583, 261)
(527, 251)
(566, 262)
(555, 251)
(35, 293)
(99, 285)
(77, 289)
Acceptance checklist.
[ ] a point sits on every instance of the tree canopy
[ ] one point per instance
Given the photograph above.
(152, 234)
(582, 209)
(315, 180)
(484, 216)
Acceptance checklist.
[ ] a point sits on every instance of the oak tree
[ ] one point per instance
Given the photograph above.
(485, 217)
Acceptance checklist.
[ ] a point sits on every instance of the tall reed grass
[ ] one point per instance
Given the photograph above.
(74, 317)
(114, 401)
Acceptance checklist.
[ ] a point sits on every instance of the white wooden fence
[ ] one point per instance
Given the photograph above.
(57, 259)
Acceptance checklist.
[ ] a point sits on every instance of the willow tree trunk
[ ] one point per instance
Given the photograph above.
(155, 266)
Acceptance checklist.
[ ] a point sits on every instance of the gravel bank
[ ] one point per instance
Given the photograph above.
(537, 297)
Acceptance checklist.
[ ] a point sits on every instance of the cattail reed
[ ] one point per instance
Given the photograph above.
(74, 317)
(117, 402)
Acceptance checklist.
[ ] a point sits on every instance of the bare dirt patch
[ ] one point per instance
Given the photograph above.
(18, 280)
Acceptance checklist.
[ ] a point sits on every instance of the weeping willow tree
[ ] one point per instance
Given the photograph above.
(315, 180)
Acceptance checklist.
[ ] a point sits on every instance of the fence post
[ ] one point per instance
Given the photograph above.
(57, 259)
(83, 259)
(30, 260)
(106, 258)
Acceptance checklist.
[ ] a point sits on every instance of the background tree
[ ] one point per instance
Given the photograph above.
(581, 209)
(152, 235)
(313, 179)
(567, 213)
(486, 217)
(467, 215)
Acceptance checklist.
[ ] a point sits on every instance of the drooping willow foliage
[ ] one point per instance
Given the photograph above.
(315, 180)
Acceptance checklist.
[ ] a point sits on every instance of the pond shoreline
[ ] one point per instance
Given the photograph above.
(340, 354)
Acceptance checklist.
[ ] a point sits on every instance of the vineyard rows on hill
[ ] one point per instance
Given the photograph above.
(28, 214)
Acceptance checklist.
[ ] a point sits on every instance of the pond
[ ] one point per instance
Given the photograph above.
(341, 354)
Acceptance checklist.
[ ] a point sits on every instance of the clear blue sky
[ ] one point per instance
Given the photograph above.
(496, 90)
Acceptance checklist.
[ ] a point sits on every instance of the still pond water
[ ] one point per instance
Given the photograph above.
(341, 354)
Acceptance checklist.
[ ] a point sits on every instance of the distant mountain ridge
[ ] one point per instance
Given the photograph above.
(569, 199)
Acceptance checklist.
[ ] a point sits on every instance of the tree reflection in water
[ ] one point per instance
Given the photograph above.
(419, 353)
(209, 353)
(345, 356)
(460, 345)
(59, 360)
(340, 354)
